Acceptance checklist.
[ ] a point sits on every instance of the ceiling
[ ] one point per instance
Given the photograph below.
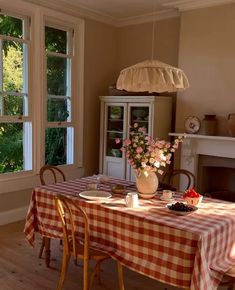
(121, 9)
(124, 12)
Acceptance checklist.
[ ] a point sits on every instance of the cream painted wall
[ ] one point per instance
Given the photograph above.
(14, 199)
(135, 42)
(207, 55)
(100, 73)
(107, 50)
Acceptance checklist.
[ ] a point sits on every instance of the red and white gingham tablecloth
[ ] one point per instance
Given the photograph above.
(185, 251)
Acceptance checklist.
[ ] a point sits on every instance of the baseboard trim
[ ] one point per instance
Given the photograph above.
(13, 215)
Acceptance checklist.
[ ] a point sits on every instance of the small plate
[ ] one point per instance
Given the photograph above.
(166, 199)
(177, 212)
(95, 194)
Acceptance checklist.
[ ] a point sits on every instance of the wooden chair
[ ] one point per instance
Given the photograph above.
(77, 247)
(169, 176)
(55, 174)
(229, 279)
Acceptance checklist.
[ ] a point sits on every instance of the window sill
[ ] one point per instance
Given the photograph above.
(26, 180)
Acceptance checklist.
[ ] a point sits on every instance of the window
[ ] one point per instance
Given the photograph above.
(41, 93)
(15, 115)
(59, 132)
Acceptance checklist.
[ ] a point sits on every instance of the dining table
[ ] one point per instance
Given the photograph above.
(190, 251)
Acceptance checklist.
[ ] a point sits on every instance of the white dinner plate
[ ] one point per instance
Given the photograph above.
(177, 212)
(95, 194)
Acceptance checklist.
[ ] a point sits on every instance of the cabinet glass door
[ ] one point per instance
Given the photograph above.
(139, 115)
(115, 129)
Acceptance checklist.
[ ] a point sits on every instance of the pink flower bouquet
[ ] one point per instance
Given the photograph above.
(145, 153)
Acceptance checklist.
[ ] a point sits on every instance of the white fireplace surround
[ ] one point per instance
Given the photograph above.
(195, 145)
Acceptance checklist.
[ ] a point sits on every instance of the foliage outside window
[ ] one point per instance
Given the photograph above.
(59, 130)
(15, 123)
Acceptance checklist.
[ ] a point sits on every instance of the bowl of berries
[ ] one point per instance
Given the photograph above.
(192, 197)
(181, 208)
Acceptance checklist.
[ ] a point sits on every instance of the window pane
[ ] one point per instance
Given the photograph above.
(56, 142)
(11, 147)
(57, 76)
(12, 66)
(14, 105)
(55, 40)
(11, 26)
(1, 105)
(58, 109)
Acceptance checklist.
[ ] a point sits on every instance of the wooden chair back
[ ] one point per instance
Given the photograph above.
(65, 208)
(78, 246)
(170, 175)
(56, 173)
(229, 279)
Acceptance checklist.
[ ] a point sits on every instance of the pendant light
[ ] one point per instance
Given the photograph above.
(152, 76)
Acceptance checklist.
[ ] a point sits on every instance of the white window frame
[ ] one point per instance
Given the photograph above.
(25, 119)
(69, 56)
(61, 21)
(27, 179)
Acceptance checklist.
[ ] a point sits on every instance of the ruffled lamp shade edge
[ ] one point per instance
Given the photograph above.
(152, 76)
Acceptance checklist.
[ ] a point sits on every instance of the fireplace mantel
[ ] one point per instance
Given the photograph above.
(196, 136)
(193, 145)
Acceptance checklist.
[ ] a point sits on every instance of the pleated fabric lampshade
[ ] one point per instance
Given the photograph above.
(152, 76)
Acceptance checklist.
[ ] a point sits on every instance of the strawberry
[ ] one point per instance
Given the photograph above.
(191, 193)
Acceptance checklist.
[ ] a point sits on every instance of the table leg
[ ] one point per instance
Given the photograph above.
(47, 251)
(120, 276)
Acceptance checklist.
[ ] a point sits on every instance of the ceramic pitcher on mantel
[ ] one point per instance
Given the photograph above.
(209, 125)
(231, 124)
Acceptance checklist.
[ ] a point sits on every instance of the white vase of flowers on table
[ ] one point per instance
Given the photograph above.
(147, 156)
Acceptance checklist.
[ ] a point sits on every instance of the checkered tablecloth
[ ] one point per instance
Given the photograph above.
(186, 251)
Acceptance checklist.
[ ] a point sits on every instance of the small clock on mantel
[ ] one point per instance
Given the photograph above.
(192, 125)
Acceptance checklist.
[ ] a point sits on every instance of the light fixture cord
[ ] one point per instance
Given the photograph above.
(153, 40)
(153, 28)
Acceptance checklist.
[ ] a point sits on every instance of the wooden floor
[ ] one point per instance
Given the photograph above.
(21, 269)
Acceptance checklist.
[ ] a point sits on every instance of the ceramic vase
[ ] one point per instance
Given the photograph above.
(147, 182)
(209, 125)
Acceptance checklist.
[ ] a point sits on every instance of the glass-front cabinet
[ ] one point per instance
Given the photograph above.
(118, 115)
(114, 129)
(139, 114)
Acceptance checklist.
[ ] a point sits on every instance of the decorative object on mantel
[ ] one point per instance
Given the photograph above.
(152, 76)
(209, 125)
(147, 156)
(231, 124)
(192, 124)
